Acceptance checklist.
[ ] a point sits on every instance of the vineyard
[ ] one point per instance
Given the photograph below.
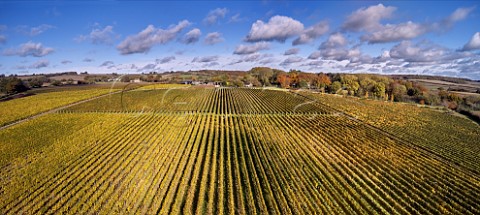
(439, 131)
(226, 151)
(24, 107)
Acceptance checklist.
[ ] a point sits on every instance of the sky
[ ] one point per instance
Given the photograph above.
(389, 37)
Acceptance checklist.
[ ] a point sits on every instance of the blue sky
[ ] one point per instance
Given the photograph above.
(390, 37)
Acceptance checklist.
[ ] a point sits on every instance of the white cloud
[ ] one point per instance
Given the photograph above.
(249, 49)
(214, 15)
(99, 36)
(334, 40)
(292, 51)
(107, 63)
(473, 44)
(315, 55)
(29, 48)
(236, 18)
(150, 36)
(66, 62)
(213, 38)
(368, 19)
(336, 48)
(39, 64)
(255, 57)
(291, 60)
(33, 31)
(278, 28)
(206, 59)
(458, 15)
(390, 33)
(149, 66)
(165, 60)
(192, 36)
(424, 52)
(312, 33)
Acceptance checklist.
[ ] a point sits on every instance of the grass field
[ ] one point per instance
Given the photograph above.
(235, 151)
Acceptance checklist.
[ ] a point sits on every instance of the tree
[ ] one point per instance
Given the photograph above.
(398, 91)
(36, 82)
(303, 84)
(263, 74)
(283, 80)
(56, 83)
(293, 75)
(379, 89)
(15, 85)
(125, 78)
(350, 82)
(321, 81)
(336, 86)
(366, 86)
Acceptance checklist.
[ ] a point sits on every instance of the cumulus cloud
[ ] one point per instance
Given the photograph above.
(99, 36)
(165, 60)
(205, 59)
(107, 63)
(150, 36)
(33, 31)
(66, 62)
(290, 60)
(292, 51)
(334, 40)
(336, 48)
(390, 33)
(278, 28)
(424, 52)
(473, 44)
(368, 19)
(213, 38)
(214, 15)
(312, 33)
(88, 60)
(29, 49)
(39, 64)
(192, 36)
(249, 49)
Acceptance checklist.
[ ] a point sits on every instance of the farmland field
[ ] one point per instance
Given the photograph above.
(24, 107)
(239, 151)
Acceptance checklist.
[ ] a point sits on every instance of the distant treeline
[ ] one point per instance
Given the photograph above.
(397, 88)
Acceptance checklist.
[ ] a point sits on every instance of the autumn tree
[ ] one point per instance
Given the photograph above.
(321, 81)
(283, 80)
(350, 82)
